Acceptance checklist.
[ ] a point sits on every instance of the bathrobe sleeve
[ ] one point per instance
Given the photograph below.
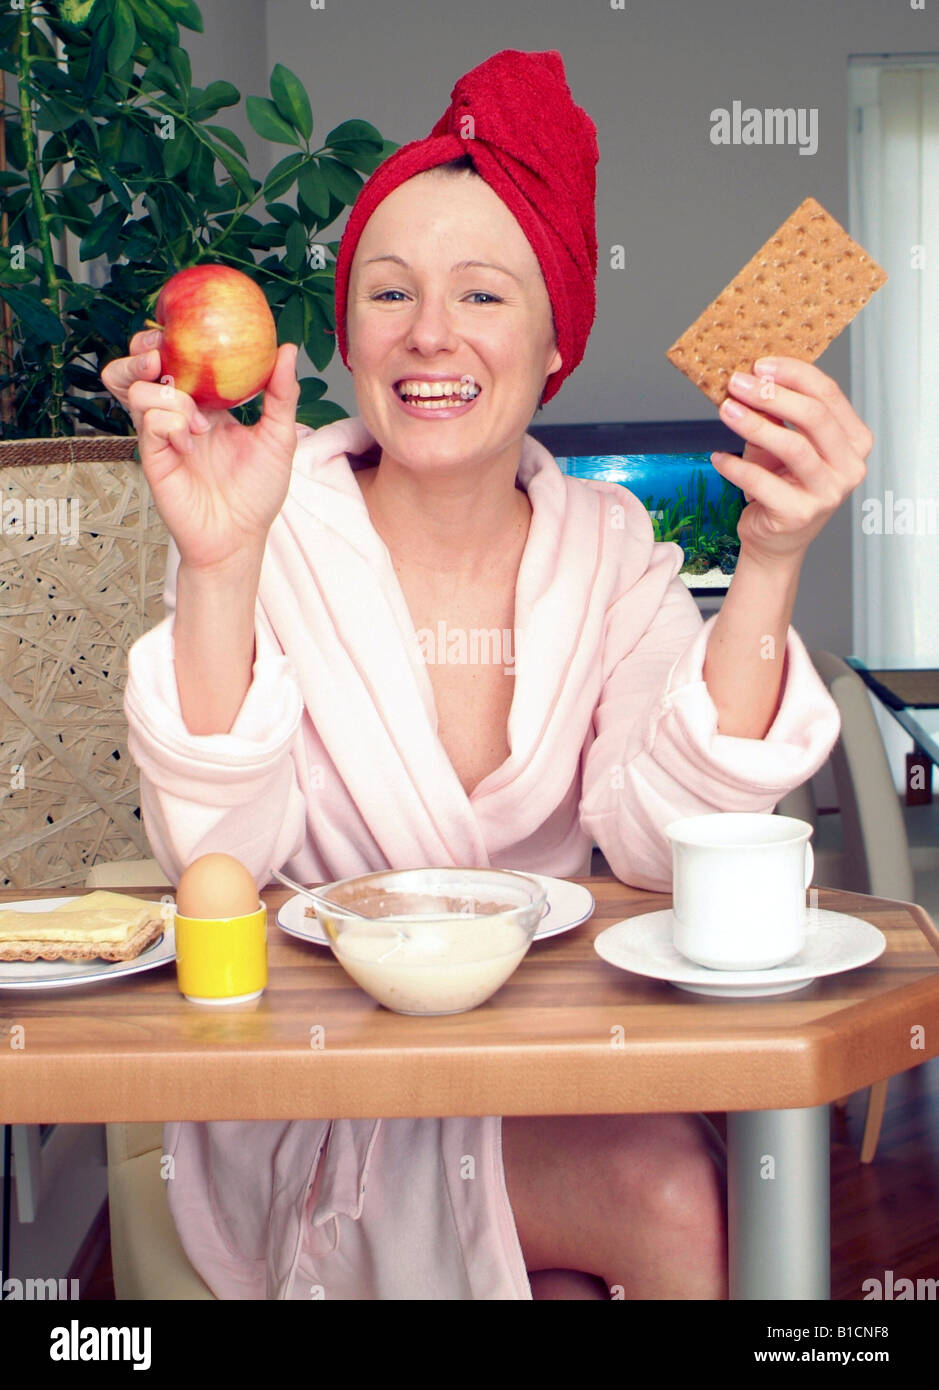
(237, 793)
(657, 756)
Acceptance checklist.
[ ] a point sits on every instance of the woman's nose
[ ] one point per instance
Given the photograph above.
(431, 326)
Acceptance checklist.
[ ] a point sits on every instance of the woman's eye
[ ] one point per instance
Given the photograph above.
(485, 294)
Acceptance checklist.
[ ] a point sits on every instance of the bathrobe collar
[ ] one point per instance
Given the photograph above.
(356, 598)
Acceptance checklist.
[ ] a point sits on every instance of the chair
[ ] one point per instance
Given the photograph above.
(874, 855)
(147, 1256)
(127, 873)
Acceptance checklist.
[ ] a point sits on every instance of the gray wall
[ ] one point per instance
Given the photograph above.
(687, 212)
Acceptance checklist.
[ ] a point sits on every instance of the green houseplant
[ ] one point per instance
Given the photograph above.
(114, 144)
(110, 154)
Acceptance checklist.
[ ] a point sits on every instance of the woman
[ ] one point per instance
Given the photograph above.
(285, 710)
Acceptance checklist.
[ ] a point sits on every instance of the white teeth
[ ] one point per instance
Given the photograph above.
(465, 389)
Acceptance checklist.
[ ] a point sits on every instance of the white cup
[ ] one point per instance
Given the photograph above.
(738, 888)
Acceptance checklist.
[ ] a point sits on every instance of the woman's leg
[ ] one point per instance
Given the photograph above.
(638, 1201)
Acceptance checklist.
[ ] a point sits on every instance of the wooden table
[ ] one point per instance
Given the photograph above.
(568, 1034)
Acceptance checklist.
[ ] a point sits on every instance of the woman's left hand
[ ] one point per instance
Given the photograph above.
(794, 479)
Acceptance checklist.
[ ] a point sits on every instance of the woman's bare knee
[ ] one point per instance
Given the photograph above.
(678, 1245)
(615, 1195)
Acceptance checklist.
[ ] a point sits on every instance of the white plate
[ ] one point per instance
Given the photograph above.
(60, 974)
(835, 943)
(566, 906)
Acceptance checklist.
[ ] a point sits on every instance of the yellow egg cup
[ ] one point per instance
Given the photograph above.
(222, 960)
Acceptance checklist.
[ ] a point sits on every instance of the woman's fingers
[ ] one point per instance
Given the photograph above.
(282, 391)
(161, 427)
(118, 376)
(146, 338)
(145, 397)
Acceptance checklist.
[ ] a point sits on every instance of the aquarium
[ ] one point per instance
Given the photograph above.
(688, 500)
(667, 465)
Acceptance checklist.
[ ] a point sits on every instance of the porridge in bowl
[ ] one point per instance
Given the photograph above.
(433, 944)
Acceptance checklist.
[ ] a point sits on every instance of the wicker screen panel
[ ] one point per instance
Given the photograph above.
(82, 565)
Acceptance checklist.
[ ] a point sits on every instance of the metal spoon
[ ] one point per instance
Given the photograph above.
(318, 900)
(322, 902)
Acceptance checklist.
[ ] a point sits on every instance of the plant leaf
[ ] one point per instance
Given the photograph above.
(215, 96)
(228, 137)
(355, 132)
(75, 13)
(157, 77)
(242, 179)
(320, 413)
(282, 175)
(185, 12)
(81, 377)
(54, 115)
(155, 23)
(295, 241)
(97, 57)
(200, 176)
(276, 290)
(291, 99)
(290, 321)
(179, 62)
(100, 237)
(281, 212)
(365, 162)
(268, 122)
(313, 190)
(118, 189)
(311, 389)
(177, 153)
(156, 216)
(317, 340)
(341, 181)
(42, 323)
(124, 42)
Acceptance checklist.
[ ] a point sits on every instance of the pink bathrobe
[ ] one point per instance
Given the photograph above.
(333, 767)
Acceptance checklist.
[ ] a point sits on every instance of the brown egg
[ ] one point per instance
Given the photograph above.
(216, 885)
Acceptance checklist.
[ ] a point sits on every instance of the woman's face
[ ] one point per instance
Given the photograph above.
(424, 317)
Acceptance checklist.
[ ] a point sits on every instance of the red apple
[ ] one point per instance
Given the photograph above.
(219, 337)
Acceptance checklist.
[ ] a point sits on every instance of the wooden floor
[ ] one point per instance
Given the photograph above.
(884, 1215)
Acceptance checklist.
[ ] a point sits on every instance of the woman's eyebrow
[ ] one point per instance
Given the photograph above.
(460, 265)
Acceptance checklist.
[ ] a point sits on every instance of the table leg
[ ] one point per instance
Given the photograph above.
(779, 1229)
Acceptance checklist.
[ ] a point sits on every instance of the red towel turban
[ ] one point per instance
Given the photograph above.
(538, 151)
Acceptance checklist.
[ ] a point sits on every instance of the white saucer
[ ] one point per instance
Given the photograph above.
(60, 974)
(566, 906)
(835, 942)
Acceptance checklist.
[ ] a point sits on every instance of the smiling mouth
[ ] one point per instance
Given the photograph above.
(438, 395)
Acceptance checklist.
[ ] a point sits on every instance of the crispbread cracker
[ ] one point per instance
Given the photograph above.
(143, 937)
(791, 299)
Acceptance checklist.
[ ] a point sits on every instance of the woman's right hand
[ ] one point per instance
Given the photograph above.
(217, 485)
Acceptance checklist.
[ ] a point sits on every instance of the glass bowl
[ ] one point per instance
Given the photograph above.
(440, 941)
